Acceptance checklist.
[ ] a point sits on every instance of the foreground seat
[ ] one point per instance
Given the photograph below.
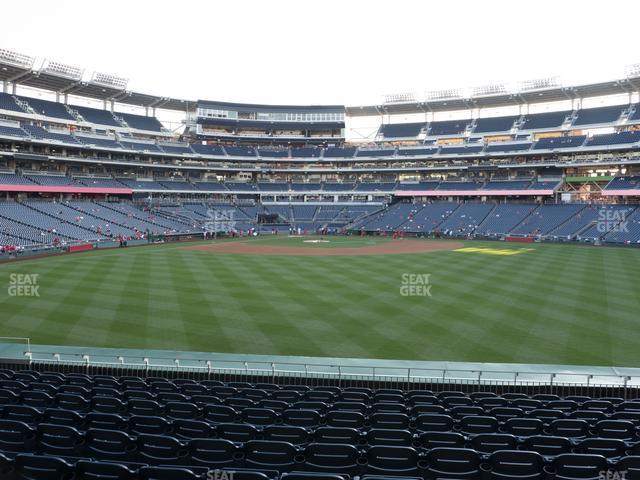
(237, 432)
(16, 437)
(59, 440)
(547, 445)
(452, 463)
(492, 442)
(161, 450)
(166, 473)
(334, 458)
(430, 440)
(396, 461)
(397, 438)
(87, 470)
(110, 445)
(573, 466)
(287, 433)
(214, 452)
(40, 467)
(336, 435)
(267, 454)
(514, 465)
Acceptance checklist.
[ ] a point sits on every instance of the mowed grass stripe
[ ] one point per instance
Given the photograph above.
(554, 304)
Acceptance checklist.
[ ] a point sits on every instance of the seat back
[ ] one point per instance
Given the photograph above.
(336, 435)
(427, 422)
(574, 465)
(270, 454)
(456, 462)
(385, 460)
(287, 433)
(517, 464)
(40, 467)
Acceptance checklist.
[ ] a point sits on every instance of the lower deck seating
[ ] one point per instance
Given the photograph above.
(546, 218)
(41, 222)
(504, 218)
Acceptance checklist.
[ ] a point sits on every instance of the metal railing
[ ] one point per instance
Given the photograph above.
(335, 371)
(522, 378)
(25, 340)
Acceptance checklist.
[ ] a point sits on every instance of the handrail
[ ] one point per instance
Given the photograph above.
(339, 371)
(26, 340)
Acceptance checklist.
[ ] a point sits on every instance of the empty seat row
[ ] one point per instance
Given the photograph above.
(16, 436)
(329, 462)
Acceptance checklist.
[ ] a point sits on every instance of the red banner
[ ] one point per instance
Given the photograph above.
(80, 248)
(519, 239)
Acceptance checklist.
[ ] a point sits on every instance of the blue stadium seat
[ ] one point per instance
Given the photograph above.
(301, 418)
(166, 473)
(161, 449)
(16, 436)
(189, 429)
(281, 456)
(433, 423)
(334, 458)
(285, 433)
(431, 440)
(514, 465)
(349, 419)
(42, 467)
(96, 470)
(570, 466)
(57, 416)
(492, 442)
(452, 463)
(105, 421)
(110, 445)
(392, 460)
(151, 425)
(60, 440)
(237, 432)
(214, 453)
(389, 437)
(548, 445)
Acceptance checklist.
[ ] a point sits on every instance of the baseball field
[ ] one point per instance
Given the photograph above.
(365, 297)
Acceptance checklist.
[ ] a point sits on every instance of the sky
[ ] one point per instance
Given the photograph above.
(350, 52)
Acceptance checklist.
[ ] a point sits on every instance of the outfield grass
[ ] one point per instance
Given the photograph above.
(558, 304)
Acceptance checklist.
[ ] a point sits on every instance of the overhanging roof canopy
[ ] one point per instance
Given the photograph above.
(539, 95)
(60, 78)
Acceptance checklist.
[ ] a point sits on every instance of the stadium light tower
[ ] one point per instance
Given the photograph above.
(15, 58)
(495, 89)
(443, 94)
(108, 80)
(633, 71)
(539, 84)
(407, 97)
(62, 70)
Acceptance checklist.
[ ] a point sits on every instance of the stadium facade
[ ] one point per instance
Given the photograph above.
(553, 168)
(77, 175)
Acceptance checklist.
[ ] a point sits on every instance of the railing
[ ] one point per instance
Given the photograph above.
(25, 340)
(337, 373)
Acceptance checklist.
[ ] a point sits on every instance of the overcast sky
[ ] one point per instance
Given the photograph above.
(327, 51)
